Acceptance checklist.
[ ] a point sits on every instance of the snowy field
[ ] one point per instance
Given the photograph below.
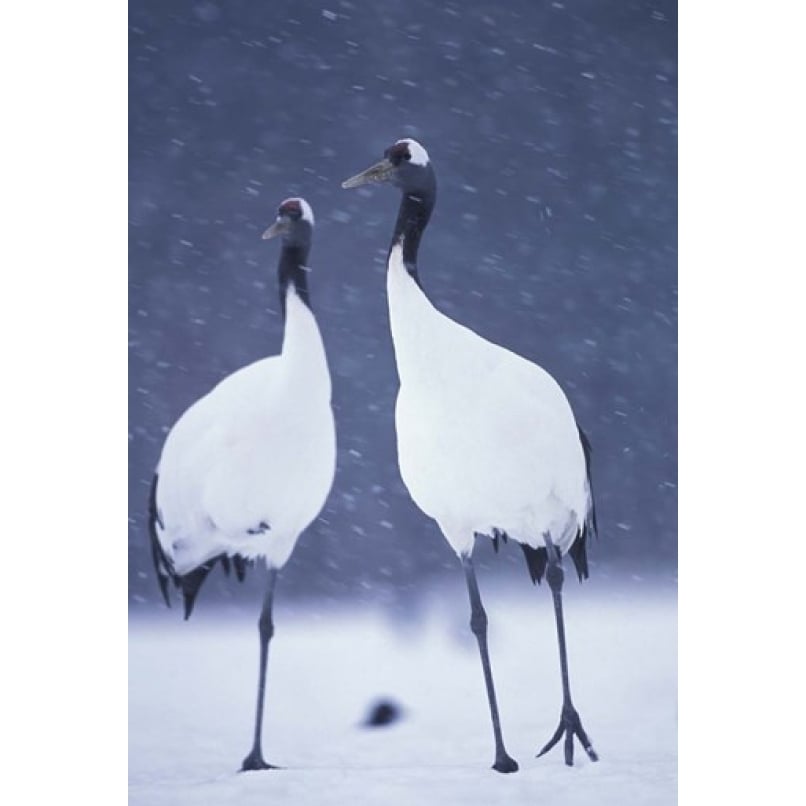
(192, 689)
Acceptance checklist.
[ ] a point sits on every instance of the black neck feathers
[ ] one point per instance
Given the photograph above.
(412, 219)
(292, 272)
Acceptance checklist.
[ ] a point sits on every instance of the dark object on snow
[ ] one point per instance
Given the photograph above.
(383, 712)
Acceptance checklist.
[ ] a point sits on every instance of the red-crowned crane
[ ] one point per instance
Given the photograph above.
(248, 467)
(487, 442)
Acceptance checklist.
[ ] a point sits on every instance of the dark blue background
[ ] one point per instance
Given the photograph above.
(552, 127)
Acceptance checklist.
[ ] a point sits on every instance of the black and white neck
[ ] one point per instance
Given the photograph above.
(414, 175)
(292, 274)
(415, 211)
(295, 225)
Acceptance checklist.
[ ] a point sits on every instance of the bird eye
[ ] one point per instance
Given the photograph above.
(407, 156)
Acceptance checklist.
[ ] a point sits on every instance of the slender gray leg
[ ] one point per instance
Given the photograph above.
(254, 761)
(570, 723)
(478, 624)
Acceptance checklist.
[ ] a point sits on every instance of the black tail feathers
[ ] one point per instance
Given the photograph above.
(189, 583)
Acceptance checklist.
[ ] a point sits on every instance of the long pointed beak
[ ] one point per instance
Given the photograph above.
(280, 227)
(379, 172)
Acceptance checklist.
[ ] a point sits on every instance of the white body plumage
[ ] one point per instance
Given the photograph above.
(249, 466)
(487, 442)
(486, 439)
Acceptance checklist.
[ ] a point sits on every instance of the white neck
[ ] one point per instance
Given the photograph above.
(303, 351)
(412, 316)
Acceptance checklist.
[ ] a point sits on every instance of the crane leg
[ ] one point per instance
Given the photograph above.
(478, 624)
(254, 761)
(570, 723)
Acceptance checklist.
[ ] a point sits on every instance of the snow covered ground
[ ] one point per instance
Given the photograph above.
(192, 689)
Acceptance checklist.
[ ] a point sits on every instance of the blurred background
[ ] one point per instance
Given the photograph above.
(552, 128)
